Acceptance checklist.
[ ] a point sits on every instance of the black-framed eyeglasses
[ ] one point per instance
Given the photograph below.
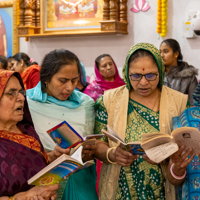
(148, 77)
(15, 93)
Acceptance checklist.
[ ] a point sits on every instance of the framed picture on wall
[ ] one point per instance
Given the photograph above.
(9, 43)
(72, 15)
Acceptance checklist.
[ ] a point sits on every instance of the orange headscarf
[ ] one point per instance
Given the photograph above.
(24, 139)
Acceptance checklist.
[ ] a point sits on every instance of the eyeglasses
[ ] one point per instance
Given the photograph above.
(15, 93)
(148, 77)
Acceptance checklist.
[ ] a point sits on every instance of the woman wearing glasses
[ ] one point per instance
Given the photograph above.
(142, 106)
(179, 75)
(21, 152)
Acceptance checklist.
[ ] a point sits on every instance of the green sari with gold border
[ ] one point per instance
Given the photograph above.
(141, 180)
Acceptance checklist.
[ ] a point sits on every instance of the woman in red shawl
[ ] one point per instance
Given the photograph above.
(21, 152)
(28, 69)
(107, 77)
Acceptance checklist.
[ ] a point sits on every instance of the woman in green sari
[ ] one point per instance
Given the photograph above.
(144, 105)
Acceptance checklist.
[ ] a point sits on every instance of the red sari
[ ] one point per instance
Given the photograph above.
(31, 76)
(21, 155)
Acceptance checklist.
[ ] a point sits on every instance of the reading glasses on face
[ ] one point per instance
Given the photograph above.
(148, 77)
(15, 93)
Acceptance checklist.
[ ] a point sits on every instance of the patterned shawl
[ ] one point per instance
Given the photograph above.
(99, 85)
(196, 95)
(21, 155)
(190, 117)
(156, 54)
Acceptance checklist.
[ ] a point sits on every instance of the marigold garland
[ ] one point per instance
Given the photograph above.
(162, 17)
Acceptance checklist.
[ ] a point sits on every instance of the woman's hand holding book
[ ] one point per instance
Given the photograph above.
(88, 152)
(181, 160)
(57, 152)
(122, 157)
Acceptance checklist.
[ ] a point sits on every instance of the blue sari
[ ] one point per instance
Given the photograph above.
(190, 189)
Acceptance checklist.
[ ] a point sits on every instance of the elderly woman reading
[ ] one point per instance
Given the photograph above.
(142, 106)
(21, 152)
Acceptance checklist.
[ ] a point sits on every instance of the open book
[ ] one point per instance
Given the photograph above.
(60, 168)
(134, 147)
(159, 146)
(67, 137)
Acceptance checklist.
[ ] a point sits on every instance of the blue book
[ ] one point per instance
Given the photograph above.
(66, 136)
(60, 169)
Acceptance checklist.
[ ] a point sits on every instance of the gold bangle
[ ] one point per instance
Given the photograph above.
(108, 150)
(12, 198)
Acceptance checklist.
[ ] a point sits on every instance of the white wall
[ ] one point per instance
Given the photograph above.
(141, 28)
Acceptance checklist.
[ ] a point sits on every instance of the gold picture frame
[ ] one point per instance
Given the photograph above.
(58, 18)
(13, 4)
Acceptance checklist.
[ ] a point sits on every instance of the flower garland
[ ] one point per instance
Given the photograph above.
(162, 17)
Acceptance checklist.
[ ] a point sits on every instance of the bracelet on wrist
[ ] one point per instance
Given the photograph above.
(174, 175)
(11, 198)
(107, 155)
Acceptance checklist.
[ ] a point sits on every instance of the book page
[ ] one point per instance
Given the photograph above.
(78, 154)
(97, 136)
(153, 142)
(149, 136)
(190, 137)
(112, 132)
(113, 138)
(161, 152)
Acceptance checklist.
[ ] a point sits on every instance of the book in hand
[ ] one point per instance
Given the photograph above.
(133, 147)
(60, 169)
(67, 137)
(159, 146)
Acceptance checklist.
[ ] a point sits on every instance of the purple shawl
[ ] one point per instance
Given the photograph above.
(21, 155)
(99, 85)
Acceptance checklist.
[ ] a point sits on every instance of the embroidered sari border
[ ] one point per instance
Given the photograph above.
(25, 140)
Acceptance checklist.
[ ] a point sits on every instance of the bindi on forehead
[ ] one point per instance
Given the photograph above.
(143, 69)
